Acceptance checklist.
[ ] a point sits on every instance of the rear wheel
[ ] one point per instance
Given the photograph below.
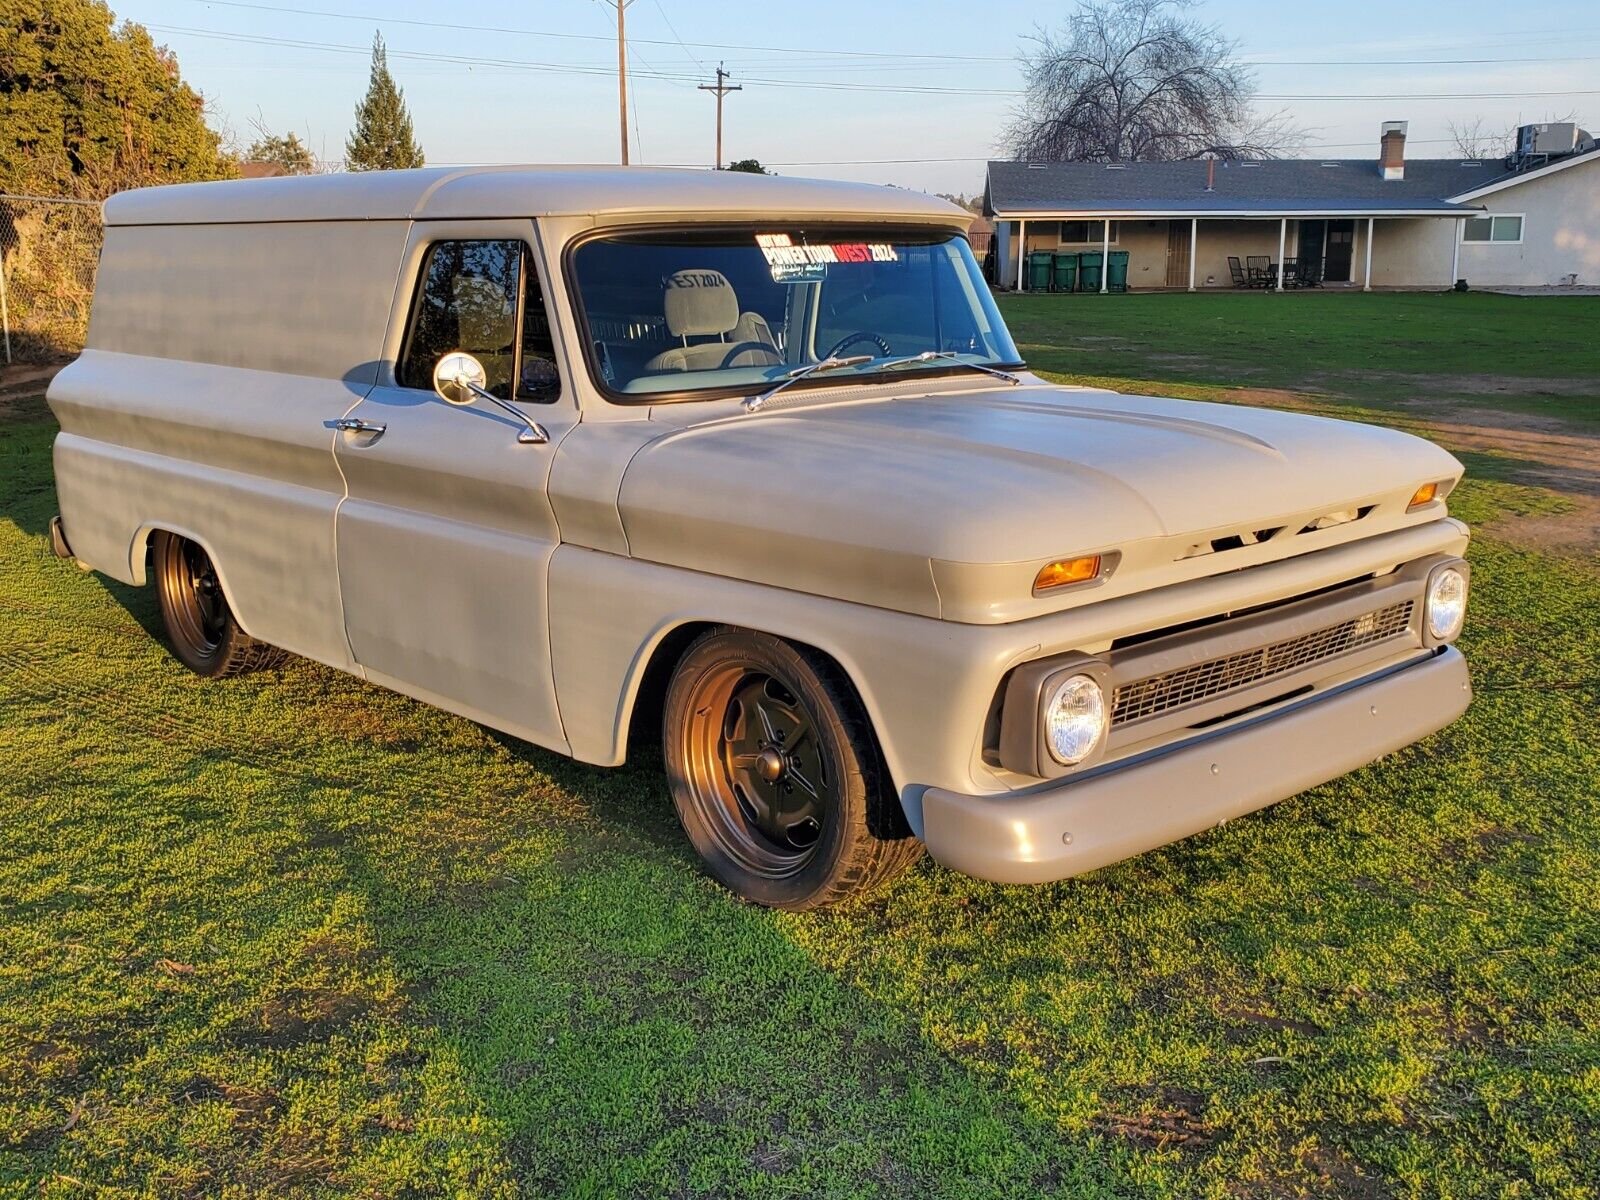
(201, 627)
(776, 775)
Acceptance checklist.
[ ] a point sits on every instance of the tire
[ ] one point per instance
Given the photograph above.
(200, 626)
(776, 775)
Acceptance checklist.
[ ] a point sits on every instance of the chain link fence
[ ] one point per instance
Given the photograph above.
(49, 249)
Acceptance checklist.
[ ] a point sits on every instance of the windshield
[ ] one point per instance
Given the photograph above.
(740, 309)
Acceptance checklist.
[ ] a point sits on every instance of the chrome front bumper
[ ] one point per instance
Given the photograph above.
(1071, 826)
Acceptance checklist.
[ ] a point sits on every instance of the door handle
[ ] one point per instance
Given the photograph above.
(357, 425)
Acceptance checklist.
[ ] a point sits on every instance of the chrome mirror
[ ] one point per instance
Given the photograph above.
(459, 379)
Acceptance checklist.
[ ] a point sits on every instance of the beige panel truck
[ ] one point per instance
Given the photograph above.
(584, 454)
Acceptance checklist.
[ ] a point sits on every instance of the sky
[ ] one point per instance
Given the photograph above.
(887, 91)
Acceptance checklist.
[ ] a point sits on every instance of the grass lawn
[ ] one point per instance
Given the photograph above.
(1415, 351)
(292, 935)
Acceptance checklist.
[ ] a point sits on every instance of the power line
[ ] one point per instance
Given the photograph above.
(592, 37)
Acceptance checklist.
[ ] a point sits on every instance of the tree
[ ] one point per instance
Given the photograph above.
(87, 109)
(749, 166)
(288, 152)
(1473, 140)
(973, 204)
(383, 139)
(1138, 80)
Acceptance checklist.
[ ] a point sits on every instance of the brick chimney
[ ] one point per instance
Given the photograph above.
(1392, 150)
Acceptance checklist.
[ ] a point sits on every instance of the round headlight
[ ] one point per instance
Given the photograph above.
(1447, 604)
(1075, 719)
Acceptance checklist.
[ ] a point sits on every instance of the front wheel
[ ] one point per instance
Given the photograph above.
(203, 631)
(776, 775)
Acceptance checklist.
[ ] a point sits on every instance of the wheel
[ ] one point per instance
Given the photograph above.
(202, 629)
(776, 775)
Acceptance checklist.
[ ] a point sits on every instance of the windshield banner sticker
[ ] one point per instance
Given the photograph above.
(791, 263)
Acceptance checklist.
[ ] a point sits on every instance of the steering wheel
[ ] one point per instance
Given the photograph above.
(851, 339)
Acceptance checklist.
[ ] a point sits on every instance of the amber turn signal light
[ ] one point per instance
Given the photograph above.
(1065, 571)
(1423, 495)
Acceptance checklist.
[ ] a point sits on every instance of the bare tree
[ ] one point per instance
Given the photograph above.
(1474, 140)
(1140, 80)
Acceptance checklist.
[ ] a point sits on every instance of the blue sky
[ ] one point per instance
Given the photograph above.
(516, 96)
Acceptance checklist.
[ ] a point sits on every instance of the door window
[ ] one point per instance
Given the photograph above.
(468, 299)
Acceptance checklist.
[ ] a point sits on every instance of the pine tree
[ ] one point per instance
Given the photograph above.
(383, 139)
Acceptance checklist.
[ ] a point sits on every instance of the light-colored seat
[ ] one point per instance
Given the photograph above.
(702, 303)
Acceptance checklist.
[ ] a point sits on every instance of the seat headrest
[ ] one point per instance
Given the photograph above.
(699, 302)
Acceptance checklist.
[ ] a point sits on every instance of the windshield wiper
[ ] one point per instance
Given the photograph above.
(952, 356)
(754, 403)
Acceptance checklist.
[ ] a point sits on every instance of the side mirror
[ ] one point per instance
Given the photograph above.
(459, 378)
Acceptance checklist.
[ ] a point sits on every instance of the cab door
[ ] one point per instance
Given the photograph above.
(446, 531)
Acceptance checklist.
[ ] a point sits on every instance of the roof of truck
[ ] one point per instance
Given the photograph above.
(461, 193)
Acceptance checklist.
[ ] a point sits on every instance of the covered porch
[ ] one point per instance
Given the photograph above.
(1194, 251)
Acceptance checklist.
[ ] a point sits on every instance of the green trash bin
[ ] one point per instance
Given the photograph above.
(1039, 271)
(1117, 272)
(1065, 275)
(1089, 267)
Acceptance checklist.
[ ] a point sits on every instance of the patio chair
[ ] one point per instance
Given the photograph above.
(1291, 272)
(1310, 272)
(1258, 268)
(1237, 271)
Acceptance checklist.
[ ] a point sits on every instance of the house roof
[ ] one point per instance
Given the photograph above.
(520, 191)
(1272, 187)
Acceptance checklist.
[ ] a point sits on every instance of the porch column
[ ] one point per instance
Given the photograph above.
(1105, 254)
(1194, 247)
(1022, 255)
(1283, 241)
(1366, 275)
(1455, 251)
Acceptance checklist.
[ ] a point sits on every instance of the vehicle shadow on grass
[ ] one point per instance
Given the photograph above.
(631, 1029)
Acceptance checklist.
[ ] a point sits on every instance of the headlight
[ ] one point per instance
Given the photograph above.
(1075, 719)
(1447, 603)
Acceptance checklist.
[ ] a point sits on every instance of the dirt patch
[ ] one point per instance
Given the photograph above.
(1575, 532)
(22, 387)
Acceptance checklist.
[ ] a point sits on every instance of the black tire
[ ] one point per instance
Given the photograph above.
(200, 626)
(776, 775)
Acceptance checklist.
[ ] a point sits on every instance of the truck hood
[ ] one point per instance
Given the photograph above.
(933, 503)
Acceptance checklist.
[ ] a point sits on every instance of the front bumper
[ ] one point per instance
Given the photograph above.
(1124, 808)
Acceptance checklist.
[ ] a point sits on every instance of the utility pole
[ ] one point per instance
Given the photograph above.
(720, 90)
(622, 75)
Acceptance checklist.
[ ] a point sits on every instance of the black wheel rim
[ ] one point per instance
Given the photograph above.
(759, 769)
(194, 596)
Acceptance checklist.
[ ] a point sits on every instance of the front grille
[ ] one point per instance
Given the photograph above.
(1159, 694)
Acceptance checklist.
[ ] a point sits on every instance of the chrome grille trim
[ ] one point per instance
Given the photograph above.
(1155, 695)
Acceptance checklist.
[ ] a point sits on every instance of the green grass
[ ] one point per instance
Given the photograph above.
(292, 935)
(1420, 351)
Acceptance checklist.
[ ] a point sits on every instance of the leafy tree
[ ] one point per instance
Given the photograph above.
(87, 108)
(749, 166)
(1138, 80)
(288, 152)
(383, 139)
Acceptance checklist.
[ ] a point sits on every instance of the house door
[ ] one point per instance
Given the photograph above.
(1341, 249)
(1178, 251)
(1312, 241)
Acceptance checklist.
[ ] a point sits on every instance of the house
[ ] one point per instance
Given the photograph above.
(1530, 220)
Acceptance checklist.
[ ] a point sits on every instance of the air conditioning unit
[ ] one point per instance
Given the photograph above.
(1553, 137)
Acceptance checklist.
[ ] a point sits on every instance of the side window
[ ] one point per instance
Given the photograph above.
(467, 300)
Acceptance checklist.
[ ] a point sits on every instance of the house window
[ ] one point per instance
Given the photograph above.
(1496, 228)
(1085, 233)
